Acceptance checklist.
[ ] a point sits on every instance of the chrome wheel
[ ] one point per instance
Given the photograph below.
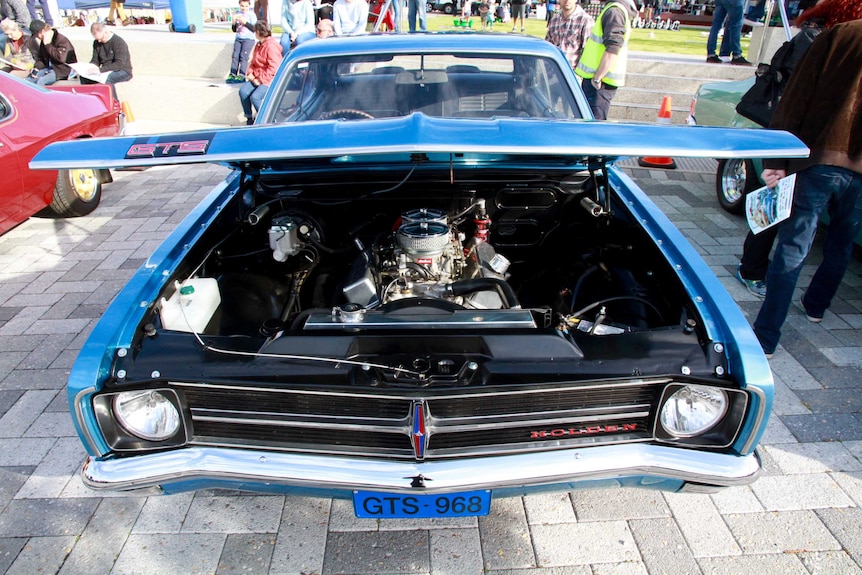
(734, 179)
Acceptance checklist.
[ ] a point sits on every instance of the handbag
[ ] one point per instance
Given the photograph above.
(760, 101)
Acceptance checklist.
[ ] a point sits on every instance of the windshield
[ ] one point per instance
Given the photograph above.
(443, 85)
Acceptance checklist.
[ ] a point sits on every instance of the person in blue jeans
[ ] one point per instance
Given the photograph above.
(731, 12)
(416, 8)
(243, 24)
(822, 105)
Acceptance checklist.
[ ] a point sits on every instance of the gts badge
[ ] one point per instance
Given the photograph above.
(168, 149)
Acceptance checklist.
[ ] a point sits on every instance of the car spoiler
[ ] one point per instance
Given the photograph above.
(248, 147)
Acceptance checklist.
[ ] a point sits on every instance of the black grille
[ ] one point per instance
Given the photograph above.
(459, 424)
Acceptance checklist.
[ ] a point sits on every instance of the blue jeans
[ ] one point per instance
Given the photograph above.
(251, 95)
(818, 188)
(396, 13)
(300, 38)
(43, 77)
(414, 8)
(730, 42)
(242, 48)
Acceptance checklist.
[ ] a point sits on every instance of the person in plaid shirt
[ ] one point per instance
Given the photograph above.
(569, 28)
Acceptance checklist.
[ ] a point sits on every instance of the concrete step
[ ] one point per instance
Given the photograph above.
(157, 52)
(195, 100)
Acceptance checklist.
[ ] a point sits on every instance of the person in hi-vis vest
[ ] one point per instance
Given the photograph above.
(603, 62)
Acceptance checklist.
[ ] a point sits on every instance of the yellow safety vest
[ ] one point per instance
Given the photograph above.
(595, 48)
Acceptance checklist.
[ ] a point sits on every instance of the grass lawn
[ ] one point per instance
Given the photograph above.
(689, 41)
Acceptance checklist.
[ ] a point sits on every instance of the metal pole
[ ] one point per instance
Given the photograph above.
(380, 16)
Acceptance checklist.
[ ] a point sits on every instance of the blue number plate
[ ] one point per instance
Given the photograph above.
(398, 505)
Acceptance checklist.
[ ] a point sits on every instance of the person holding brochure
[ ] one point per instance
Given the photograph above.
(111, 58)
(16, 54)
(822, 105)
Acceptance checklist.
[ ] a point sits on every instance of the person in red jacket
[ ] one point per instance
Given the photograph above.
(265, 60)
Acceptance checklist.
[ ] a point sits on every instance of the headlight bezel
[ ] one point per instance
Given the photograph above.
(122, 439)
(722, 434)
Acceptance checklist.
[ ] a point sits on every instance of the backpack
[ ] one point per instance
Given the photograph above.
(759, 102)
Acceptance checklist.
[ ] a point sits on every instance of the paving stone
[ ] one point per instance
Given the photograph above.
(52, 424)
(840, 400)
(36, 379)
(9, 549)
(181, 553)
(163, 514)
(821, 427)
(701, 525)
(246, 554)
(342, 518)
(736, 500)
(786, 402)
(11, 480)
(776, 432)
(373, 552)
(851, 483)
(46, 517)
(596, 505)
(456, 551)
(50, 477)
(844, 526)
(243, 514)
(549, 508)
(780, 532)
(24, 412)
(844, 356)
(104, 537)
(628, 568)
(301, 541)
(662, 546)
(792, 373)
(42, 555)
(583, 543)
(826, 562)
(8, 398)
(506, 536)
(568, 570)
(804, 458)
(24, 451)
(810, 491)
(785, 564)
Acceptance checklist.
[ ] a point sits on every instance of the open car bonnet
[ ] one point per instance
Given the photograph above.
(397, 140)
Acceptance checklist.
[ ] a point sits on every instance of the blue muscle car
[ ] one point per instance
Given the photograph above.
(423, 285)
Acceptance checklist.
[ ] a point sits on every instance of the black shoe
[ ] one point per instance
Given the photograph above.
(249, 121)
(713, 59)
(740, 61)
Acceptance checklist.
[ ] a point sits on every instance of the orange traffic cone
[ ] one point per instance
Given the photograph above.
(127, 111)
(654, 161)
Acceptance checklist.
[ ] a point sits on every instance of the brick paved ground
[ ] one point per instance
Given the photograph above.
(56, 277)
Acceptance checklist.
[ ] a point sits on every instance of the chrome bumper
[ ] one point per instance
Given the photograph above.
(342, 474)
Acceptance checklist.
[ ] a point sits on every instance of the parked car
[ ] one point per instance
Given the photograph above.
(714, 104)
(424, 284)
(446, 6)
(30, 118)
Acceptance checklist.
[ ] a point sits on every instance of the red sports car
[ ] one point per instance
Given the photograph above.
(32, 117)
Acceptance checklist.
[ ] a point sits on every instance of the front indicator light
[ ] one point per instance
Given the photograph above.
(692, 410)
(147, 414)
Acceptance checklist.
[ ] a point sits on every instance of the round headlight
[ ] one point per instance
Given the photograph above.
(693, 409)
(147, 414)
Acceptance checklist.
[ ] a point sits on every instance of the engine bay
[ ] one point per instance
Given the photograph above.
(429, 254)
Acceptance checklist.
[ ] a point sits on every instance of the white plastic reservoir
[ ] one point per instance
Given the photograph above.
(192, 305)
